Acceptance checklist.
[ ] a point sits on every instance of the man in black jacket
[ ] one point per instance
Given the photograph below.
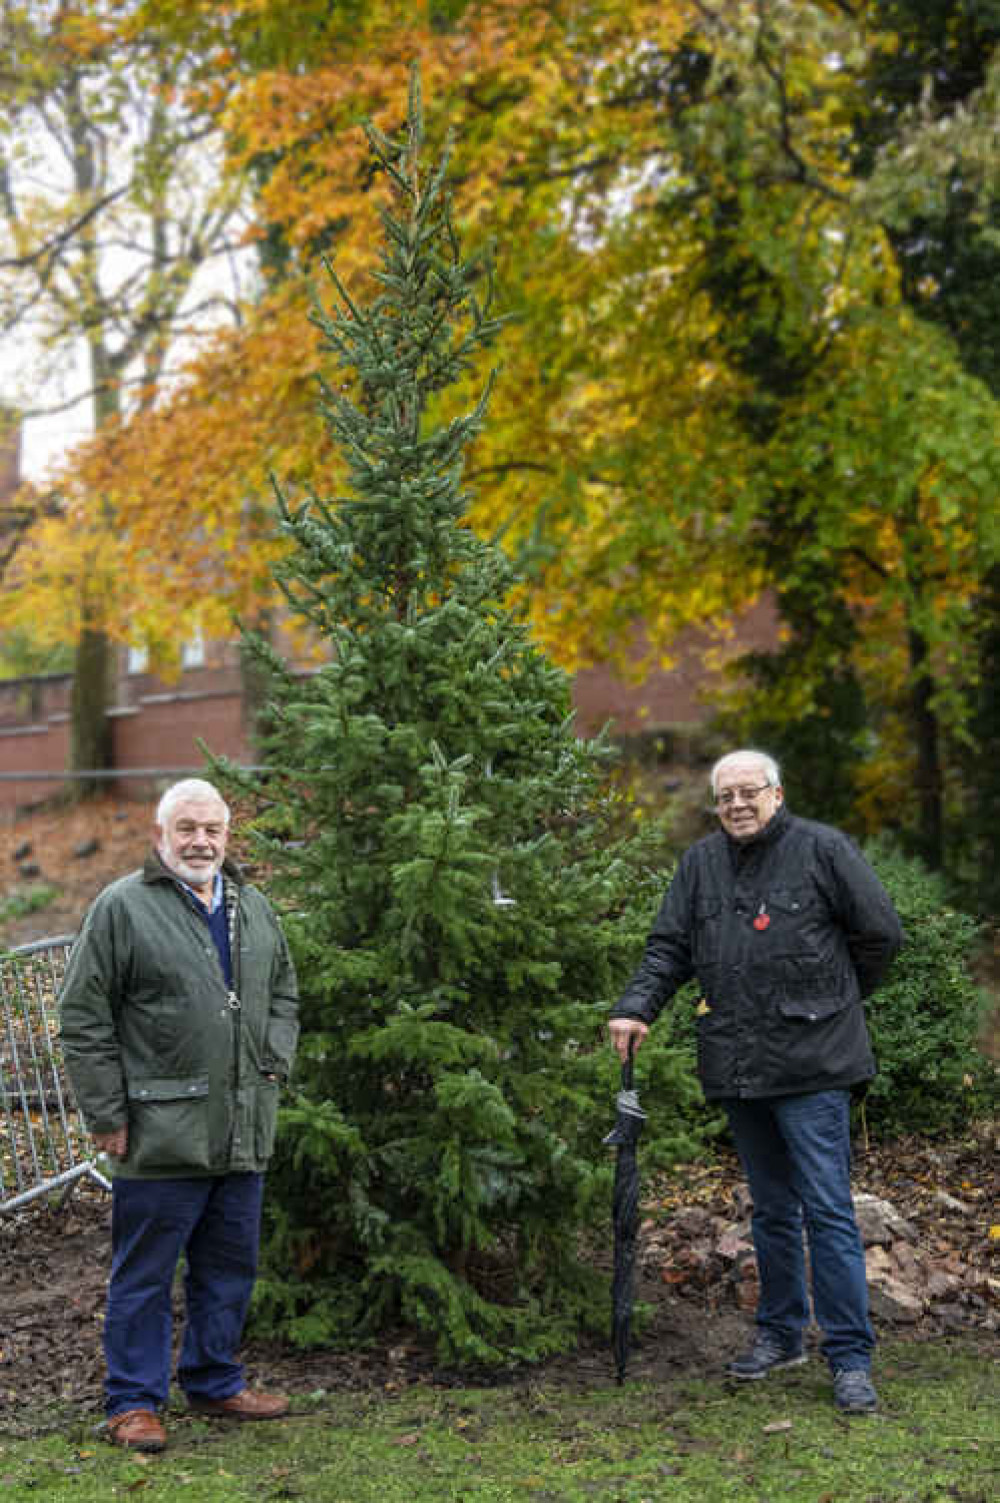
(788, 930)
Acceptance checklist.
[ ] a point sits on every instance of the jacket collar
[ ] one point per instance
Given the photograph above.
(772, 832)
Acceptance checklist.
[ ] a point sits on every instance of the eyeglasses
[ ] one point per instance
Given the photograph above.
(726, 799)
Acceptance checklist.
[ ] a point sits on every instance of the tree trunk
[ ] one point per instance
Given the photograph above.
(90, 731)
(984, 778)
(930, 785)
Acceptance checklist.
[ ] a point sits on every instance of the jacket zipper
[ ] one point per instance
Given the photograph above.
(236, 1008)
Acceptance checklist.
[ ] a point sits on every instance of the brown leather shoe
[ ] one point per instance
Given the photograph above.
(137, 1430)
(248, 1404)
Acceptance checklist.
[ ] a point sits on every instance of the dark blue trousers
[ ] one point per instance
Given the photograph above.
(215, 1224)
(796, 1153)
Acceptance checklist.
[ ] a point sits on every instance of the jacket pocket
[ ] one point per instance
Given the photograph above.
(810, 990)
(168, 1125)
(265, 1119)
(706, 937)
(716, 1055)
(810, 1009)
(820, 1038)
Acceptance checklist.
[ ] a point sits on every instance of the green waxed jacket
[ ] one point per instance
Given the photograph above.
(152, 1036)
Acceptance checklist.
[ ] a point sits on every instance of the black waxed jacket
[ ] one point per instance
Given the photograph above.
(787, 933)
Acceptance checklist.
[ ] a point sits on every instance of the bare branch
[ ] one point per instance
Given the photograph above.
(560, 174)
(55, 244)
(870, 563)
(509, 467)
(800, 171)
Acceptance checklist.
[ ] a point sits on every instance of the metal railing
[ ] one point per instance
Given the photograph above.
(44, 1145)
(114, 774)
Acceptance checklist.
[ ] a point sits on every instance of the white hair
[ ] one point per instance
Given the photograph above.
(188, 788)
(768, 766)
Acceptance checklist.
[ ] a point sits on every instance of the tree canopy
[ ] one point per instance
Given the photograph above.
(739, 360)
(110, 206)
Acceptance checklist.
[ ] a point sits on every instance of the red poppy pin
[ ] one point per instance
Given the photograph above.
(762, 920)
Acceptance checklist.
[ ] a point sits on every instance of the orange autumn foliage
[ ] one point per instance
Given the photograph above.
(522, 87)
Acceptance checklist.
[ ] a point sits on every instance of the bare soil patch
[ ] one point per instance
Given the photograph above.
(53, 1260)
(65, 853)
(53, 1265)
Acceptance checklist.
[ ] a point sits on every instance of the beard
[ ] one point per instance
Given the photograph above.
(194, 876)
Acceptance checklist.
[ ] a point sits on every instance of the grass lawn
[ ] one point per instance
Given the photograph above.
(936, 1440)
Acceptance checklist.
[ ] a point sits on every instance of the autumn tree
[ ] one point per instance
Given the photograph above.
(110, 206)
(700, 239)
(942, 67)
(519, 149)
(872, 514)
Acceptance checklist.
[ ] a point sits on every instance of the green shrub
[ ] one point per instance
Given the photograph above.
(925, 1022)
(925, 1018)
(29, 900)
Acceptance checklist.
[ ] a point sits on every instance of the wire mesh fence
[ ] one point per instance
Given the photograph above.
(44, 1146)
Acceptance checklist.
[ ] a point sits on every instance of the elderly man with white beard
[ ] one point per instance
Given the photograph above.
(179, 1024)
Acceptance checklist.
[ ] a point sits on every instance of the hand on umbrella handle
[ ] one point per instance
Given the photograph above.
(627, 1035)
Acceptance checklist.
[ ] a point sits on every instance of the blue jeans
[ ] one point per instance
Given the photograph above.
(796, 1154)
(215, 1223)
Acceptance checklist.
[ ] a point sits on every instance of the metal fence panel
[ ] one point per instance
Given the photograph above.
(44, 1145)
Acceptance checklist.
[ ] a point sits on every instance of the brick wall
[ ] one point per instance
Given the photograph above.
(36, 749)
(163, 730)
(158, 726)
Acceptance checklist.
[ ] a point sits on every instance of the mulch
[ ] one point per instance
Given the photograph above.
(53, 1266)
(53, 1261)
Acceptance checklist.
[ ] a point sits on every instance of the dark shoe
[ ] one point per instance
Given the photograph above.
(764, 1357)
(248, 1404)
(854, 1391)
(137, 1430)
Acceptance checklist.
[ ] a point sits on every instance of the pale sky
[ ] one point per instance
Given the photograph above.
(45, 440)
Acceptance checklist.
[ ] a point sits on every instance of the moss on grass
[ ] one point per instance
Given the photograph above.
(936, 1440)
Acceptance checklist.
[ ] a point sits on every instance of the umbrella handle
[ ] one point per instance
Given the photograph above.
(627, 1064)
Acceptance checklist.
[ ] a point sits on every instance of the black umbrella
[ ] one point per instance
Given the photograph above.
(625, 1209)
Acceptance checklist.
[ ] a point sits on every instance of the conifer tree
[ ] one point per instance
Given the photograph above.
(442, 844)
